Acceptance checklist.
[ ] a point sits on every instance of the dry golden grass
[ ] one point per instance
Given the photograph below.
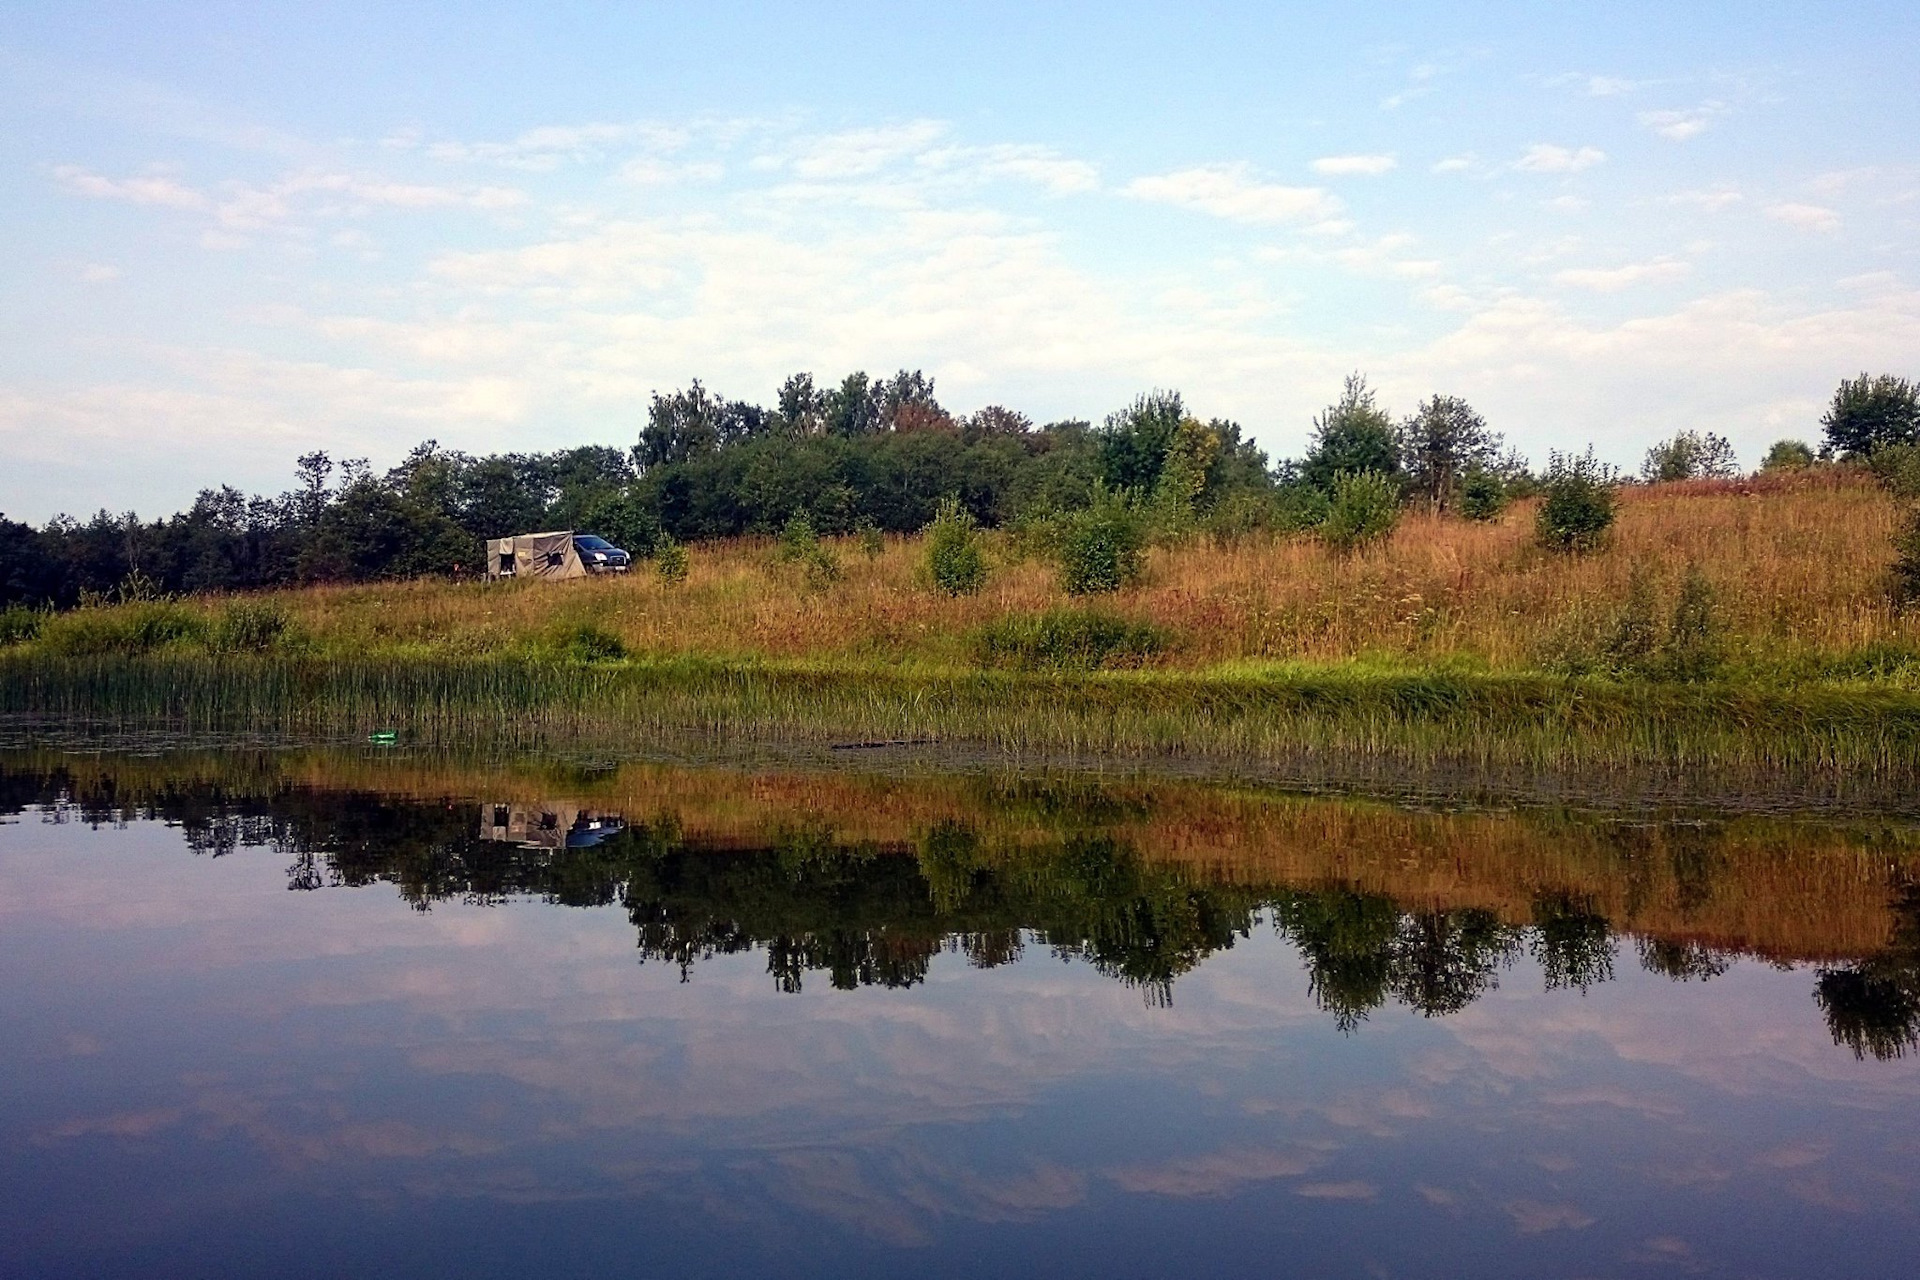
(1798, 566)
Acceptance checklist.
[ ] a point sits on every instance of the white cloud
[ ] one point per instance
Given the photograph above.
(1364, 165)
(99, 273)
(1614, 279)
(150, 189)
(1454, 164)
(858, 152)
(1042, 166)
(1682, 125)
(1711, 199)
(1229, 191)
(1611, 86)
(1546, 158)
(548, 147)
(1807, 217)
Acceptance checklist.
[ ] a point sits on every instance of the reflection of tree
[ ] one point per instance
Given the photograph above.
(1683, 961)
(822, 907)
(1572, 942)
(1873, 1005)
(1360, 948)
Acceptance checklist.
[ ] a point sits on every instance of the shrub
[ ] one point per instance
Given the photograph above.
(1906, 563)
(587, 642)
(1300, 506)
(1364, 508)
(1787, 455)
(872, 543)
(670, 561)
(1483, 495)
(19, 624)
(125, 629)
(1692, 651)
(1102, 545)
(1068, 639)
(249, 626)
(800, 546)
(1635, 634)
(1897, 466)
(954, 562)
(1578, 509)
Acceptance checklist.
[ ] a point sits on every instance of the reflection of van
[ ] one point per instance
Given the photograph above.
(547, 826)
(559, 554)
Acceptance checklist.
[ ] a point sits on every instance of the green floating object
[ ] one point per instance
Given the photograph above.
(384, 737)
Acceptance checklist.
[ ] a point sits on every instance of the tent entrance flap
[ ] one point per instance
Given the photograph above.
(535, 555)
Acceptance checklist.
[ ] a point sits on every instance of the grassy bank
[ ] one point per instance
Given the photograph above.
(1284, 711)
(1452, 640)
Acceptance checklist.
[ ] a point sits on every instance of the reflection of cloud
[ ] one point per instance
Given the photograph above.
(1530, 1217)
(1214, 1174)
(1338, 1190)
(1794, 1155)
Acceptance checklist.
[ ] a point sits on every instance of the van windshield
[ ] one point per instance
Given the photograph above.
(588, 542)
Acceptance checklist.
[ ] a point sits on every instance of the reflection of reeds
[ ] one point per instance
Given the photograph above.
(1524, 720)
(1785, 889)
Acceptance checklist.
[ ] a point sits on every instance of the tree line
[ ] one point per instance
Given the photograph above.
(866, 454)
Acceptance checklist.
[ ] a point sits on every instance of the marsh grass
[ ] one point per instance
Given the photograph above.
(1257, 713)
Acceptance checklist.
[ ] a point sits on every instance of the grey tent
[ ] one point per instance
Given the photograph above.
(534, 555)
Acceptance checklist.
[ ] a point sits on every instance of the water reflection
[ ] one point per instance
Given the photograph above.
(1005, 866)
(353, 1015)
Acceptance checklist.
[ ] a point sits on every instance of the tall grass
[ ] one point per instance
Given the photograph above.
(1533, 721)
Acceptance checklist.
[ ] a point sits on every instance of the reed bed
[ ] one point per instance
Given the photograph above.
(1483, 718)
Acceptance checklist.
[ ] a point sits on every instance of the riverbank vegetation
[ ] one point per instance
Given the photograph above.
(1406, 588)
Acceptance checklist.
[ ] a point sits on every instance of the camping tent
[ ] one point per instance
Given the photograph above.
(534, 555)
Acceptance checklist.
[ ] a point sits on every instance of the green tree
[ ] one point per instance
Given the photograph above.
(1353, 435)
(1787, 455)
(1134, 441)
(1690, 455)
(1440, 444)
(1869, 413)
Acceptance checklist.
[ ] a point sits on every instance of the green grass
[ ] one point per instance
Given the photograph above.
(1275, 712)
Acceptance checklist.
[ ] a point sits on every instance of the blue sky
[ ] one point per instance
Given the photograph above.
(241, 232)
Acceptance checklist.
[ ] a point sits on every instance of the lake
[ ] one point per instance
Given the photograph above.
(335, 1011)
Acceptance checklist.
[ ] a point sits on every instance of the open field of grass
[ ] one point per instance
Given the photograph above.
(1451, 639)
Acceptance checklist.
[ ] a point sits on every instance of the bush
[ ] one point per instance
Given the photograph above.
(19, 624)
(1483, 495)
(249, 626)
(1364, 508)
(1906, 563)
(1578, 509)
(124, 629)
(670, 561)
(1897, 466)
(800, 546)
(1068, 640)
(1693, 649)
(1102, 547)
(954, 562)
(587, 642)
(872, 542)
(1787, 455)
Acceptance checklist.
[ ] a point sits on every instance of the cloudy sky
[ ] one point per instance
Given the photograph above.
(239, 232)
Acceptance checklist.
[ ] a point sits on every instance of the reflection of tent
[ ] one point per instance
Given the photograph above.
(547, 826)
(534, 555)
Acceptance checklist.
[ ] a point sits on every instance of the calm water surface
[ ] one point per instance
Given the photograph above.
(307, 1015)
